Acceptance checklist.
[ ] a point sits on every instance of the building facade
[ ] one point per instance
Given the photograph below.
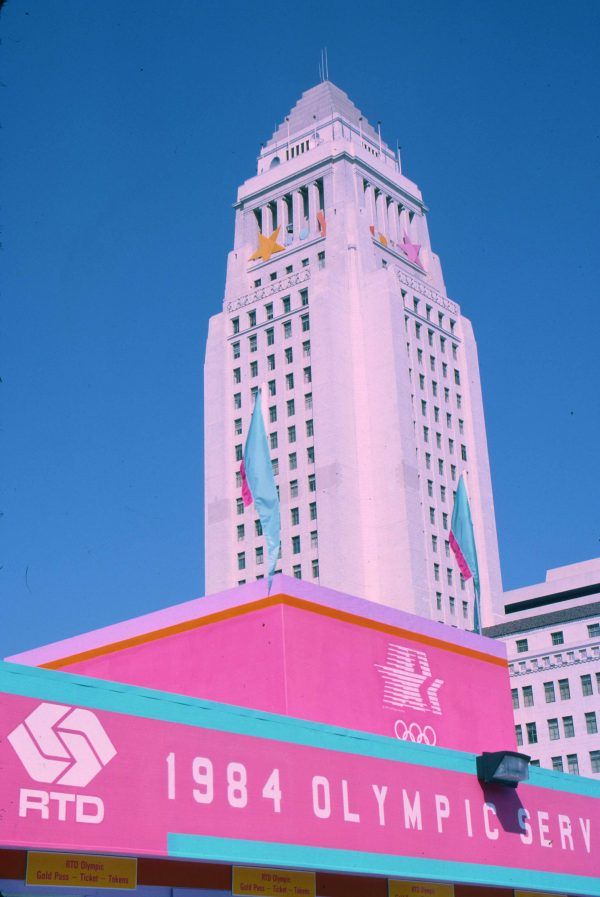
(335, 305)
(552, 636)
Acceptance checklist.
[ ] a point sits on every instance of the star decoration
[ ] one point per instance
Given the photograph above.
(411, 250)
(266, 247)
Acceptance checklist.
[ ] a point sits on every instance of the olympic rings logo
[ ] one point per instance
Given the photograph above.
(413, 732)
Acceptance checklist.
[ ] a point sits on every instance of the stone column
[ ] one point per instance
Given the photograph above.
(381, 203)
(267, 221)
(298, 213)
(313, 208)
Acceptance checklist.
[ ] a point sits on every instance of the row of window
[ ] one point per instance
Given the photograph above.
(431, 338)
(449, 575)
(259, 556)
(564, 690)
(312, 487)
(433, 364)
(269, 310)
(290, 406)
(272, 384)
(428, 310)
(288, 353)
(436, 417)
(435, 390)
(452, 603)
(451, 443)
(296, 571)
(573, 763)
(290, 270)
(591, 728)
(557, 638)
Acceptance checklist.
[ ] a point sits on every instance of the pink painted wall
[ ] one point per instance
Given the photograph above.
(315, 666)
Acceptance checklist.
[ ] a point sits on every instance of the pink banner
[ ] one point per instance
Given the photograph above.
(76, 779)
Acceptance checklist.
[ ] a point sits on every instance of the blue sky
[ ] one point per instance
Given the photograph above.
(127, 129)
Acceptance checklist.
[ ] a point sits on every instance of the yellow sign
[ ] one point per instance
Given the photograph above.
(533, 894)
(419, 889)
(250, 882)
(76, 870)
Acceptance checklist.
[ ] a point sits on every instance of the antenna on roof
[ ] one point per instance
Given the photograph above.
(321, 67)
(326, 66)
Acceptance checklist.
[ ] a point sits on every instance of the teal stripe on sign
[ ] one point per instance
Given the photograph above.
(98, 694)
(233, 850)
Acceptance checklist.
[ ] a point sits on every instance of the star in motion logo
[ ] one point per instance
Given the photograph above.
(62, 745)
(266, 247)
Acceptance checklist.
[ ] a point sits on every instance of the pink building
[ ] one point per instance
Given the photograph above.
(335, 303)
(552, 636)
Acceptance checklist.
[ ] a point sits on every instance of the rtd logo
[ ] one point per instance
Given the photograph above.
(66, 746)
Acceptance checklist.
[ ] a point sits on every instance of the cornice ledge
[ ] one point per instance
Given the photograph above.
(426, 291)
(277, 286)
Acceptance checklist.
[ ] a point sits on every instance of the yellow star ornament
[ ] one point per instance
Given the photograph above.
(266, 247)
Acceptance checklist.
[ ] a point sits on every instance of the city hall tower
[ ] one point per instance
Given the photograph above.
(335, 305)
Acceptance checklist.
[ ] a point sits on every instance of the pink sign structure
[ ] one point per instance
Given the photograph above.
(311, 653)
(90, 766)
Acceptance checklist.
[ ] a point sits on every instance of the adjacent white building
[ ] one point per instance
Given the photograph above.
(335, 303)
(552, 635)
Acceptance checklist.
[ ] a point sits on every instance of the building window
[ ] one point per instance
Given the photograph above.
(595, 761)
(438, 600)
(444, 369)
(568, 726)
(273, 440)
(425, 434)
(314, 540)
(463, 452)
(308, 375)
(287, 329)
(549, 692)
(295, 544)
(586, 684)
(297, 571)
(427, 460)
(238, 453)
(239, 505)
(237, 375)
(465, 607)
(291, 434)
(557, 764)
(315, 569)
(308, 401)
(519, 734)
(515, 697)
(434, 388)
(252, 343)
(420, 356)
(304, 298)
(238, 479)
(259, 555)
(312, 482)
(241, 560)
(310, 454)
(423, 407)
(258, 530)
(294, 489)
(436, 414)
(527, 696)
(272, 414)
(422, 381)
(235, 325)
(553, 731)
(452, 604)
(305, 263)
(251, 319)
(564, 690)
(293, 460)
(557, 638)
(269, 311)
(453, 471)
(272, 387)
(270, 336)
(289, 355)
(432, 362)
(443, 493)
(321, 259)
(591, 726)
(593, 630)
(312, 509)
(458, 400)
(432, 515)
(236, 350)
(306, 348)
(573, 764)
(295, 516)
(290, 407)
(270, 362)
(237, 426)
(237, 400)
(289, 381)
(531, 733)
(456, 377)
(444, 520)
(436, 572)
(287, 305)
(240, 532)
(522, 645)
(430, 488)
(449, 576)
(305, 320)
(254, 368)
(434, 544)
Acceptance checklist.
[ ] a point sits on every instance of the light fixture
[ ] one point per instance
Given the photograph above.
(503, 768)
